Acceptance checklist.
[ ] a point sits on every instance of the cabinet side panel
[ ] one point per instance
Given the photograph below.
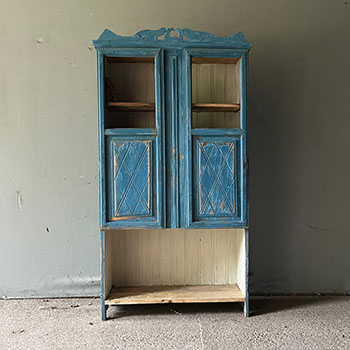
(108, 263)
(175, 257)
(241, 261)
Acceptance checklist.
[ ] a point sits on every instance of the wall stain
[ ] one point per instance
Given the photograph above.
(19, 200)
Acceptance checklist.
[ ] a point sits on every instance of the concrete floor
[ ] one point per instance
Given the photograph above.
(299, 323)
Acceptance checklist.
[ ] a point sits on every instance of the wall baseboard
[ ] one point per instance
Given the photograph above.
(67, 287)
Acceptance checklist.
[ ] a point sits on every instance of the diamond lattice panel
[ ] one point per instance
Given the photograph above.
(132, 178)
(216, 179)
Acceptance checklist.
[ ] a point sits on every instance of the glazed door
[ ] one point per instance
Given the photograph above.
(213, 161)
(133, 131)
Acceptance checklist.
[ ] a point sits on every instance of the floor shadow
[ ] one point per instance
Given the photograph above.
(115, 312)
(258, 307)
(268, 305)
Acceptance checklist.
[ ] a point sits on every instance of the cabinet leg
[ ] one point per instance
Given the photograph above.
(104, 312)
(246, 308)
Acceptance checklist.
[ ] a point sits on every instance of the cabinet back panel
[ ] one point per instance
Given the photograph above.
(129, 120)
(133, 82)
(175, 256)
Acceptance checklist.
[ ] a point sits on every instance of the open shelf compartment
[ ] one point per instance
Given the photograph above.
(215, 92)
(130, 92)
(174, 266)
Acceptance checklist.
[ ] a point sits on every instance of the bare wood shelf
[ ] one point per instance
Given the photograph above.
(215, 107)
(175, 294)
(214, 60)
(131, 106)
(130, 59)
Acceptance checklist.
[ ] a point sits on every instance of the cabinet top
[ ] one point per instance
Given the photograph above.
(172, 38)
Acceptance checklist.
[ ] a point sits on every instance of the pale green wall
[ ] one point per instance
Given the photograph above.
(299, 137)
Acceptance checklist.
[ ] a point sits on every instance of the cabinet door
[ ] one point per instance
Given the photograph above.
(213, 159)
(132, 179)
(132, 183)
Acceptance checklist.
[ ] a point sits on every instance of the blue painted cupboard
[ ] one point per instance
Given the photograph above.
(173, 165)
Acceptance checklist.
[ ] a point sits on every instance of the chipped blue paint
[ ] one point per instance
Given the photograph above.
(132, 180)
(172, 58)
(101, 140)
(215, 182)
(170, 37)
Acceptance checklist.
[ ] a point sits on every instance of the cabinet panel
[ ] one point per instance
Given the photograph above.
(215, 170)
(216, 180)
(132, 180)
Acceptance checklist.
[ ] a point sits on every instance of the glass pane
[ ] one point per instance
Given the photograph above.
(215, 92)
(130, 92)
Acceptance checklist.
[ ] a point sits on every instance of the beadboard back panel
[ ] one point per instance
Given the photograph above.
(175, 257)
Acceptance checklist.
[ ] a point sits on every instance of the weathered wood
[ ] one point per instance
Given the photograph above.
(131, 106)
(175, 294)
(215, 107)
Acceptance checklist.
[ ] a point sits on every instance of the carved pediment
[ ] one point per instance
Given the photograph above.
(174, 35)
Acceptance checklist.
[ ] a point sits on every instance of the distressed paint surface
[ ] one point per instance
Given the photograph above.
(172, 36)
(216, 179)
(131, 178)
(131, 172)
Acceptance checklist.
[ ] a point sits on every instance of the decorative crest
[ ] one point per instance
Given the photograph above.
(165, 35)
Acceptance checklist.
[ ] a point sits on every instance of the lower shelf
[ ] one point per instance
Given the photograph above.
(175, 294)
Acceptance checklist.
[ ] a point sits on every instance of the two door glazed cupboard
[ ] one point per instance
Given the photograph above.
(173, 167)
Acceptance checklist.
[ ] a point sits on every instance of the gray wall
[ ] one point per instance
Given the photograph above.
(299, 137)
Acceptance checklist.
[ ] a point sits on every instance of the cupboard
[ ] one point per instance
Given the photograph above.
(173, 167)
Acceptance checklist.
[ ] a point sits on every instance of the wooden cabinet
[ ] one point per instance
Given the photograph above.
(173, 167)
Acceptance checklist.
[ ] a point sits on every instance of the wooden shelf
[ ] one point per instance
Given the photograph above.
(215, 107)
(175, 294)
(130, 59)
(214, 60)
(131, 106)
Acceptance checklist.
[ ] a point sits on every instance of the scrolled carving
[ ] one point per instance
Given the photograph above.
(174, 35)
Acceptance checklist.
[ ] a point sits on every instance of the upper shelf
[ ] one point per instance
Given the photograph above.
(214, 60)
(215, 107)
(145, 59)
(131, 106)
(196, 107)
